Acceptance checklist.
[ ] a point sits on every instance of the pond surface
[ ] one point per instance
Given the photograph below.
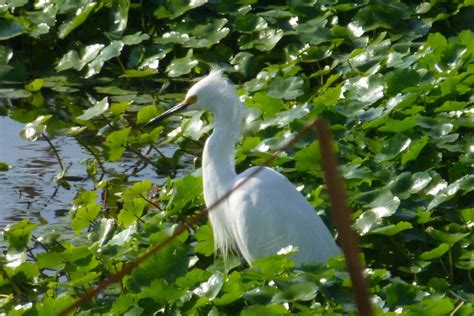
(29, 190)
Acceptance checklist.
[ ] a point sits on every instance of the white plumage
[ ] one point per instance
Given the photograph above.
(263, 215)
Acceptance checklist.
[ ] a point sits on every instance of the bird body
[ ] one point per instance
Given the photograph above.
(266, 213)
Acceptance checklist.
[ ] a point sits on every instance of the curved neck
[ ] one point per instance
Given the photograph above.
(218, 166)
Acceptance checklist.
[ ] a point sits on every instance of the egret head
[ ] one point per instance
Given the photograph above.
(213, 93)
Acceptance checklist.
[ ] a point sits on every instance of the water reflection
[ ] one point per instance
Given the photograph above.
(28, 189)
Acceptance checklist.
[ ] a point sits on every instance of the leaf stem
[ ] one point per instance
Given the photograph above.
(61, 165)
(101, 166)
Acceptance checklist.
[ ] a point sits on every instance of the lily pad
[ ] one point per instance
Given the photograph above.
(182, 66)
(286, 88)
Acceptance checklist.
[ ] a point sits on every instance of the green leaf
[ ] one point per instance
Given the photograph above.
(14, 93)
(33, 130)
(10, 29)
(401, 79)
(98, 109)
(119, 108)
(451, 106)
(391, 230)
(261, 295)
(468, 215)
(84, 216)
(397, 126)
(119, 11)
(137, 189)
(385, 205)
(25, 272)
(366, 90)
(185, 190)
(435, 253)
(465, 184)
(135, 39)
(50, 260)
(264, 40)
(250, 23)
(193, 277)
(393, 147)
(269, 106)
(174, 9)
(181, 66)
(211, 287)
(286, 88)
(18, 235)
(256, 310)
(162, 292)
(308, 159)
(132, 73)
(124, 303)
(107, 53)
(4, 166)
(273, 265)
(208, 34)
(447, 238)
(205, 240)
(400, 294)
(146, 114)
(72, 60)
(414, 149)
(115, 143)
(299, 291)
(79, 17)
(132, 210)
(123, 237)
(34, 85)
(430, 306)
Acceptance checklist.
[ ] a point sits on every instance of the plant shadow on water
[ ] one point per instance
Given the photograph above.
(29, 189)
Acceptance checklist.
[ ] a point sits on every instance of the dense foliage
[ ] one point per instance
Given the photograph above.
(394, 78)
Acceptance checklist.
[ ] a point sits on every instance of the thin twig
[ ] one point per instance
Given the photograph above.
(129, 267)
(342, 220)
(54, 150)
(458, 306)
(151, 202)
(101, 166)
(135, 126)
(140, 155)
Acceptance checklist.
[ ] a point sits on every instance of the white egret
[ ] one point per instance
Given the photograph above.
(266, 213)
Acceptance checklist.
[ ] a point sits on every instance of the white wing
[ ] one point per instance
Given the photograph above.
(269, 214)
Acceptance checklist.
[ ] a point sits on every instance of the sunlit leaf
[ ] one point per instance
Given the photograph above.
(33, 130)
(181, 66)
(435, 253)
(34, 85)
(98, 109)
(80, 16)
(391, 230)
(146, 114)
(211, 287)
(414, 150)
(301, 291)
(205, 238)
(115, 143)
(132, 210)
(286, 88)
(83, 216)
(107, 53)
(18, 235)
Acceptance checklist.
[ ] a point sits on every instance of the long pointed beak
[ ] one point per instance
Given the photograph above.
(176, 109)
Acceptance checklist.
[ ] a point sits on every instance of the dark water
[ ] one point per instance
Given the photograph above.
(29, 189)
